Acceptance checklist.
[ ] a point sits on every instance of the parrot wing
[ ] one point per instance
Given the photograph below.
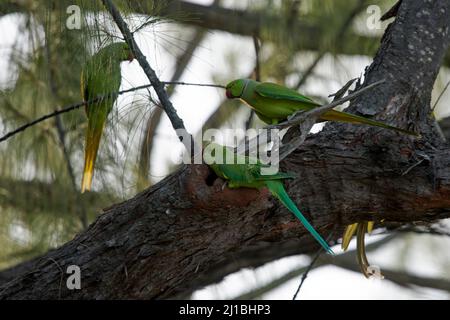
(275, 91)
(87, 87)
(264, 118)
(253, 170)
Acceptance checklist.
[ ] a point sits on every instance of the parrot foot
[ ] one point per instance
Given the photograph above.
(224, 185)
(373, 271)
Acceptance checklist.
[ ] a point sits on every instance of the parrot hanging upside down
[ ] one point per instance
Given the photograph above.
(100, 76)
(274, 103)
(243, 174)
(360, 228)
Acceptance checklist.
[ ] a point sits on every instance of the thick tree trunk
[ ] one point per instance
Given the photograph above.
(186, 232)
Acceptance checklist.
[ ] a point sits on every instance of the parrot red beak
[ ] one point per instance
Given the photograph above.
(229, 95)
(130, 57)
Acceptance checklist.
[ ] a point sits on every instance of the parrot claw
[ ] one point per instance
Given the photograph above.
(374, 272)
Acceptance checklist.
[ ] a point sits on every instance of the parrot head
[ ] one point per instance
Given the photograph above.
(235, 88)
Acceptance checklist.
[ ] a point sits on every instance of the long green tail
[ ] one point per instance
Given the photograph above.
(277, 189)
(334, 115)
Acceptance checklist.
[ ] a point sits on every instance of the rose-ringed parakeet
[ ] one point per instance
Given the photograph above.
(99, 77)
(274, 103)
(244, 172)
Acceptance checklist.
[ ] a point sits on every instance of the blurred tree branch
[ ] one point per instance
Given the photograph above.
(56, 196)
(339, 41)
(152, 123)
(158, 86)
(402, 278)
(77, 105)
(347, 261)
(242, 22)
(444, 124)
(323, 261)
(155, 117)
(247, 23)
(80, 209)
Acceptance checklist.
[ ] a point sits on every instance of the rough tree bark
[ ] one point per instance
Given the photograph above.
(186, 232)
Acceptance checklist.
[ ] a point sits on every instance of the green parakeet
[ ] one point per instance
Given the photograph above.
(274, 103)
(100, 76)
(242, 173)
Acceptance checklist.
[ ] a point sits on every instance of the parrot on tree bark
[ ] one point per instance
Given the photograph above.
(273, 103)
(100, 77)
(245, 172)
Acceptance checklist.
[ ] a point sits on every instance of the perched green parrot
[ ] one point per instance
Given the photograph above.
(274, 103)
(100, 76)
(248, 175)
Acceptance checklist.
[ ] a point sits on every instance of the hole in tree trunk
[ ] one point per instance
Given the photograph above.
(212, 176)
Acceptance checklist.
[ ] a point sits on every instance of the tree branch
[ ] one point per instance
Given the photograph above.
(323, 261)
(339, 35)
(80, 209)
(401, 278)
(347, 261)
(246, 23)
(75, 106)
(241, 22)
(177, 122)
(152, 123)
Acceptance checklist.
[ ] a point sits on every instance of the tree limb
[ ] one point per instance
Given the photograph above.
(176, 121)
(77, 105)
(240, 22)
(146, 147)
(324, 260)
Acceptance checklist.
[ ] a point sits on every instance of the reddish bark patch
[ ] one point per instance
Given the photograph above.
(218, 196)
